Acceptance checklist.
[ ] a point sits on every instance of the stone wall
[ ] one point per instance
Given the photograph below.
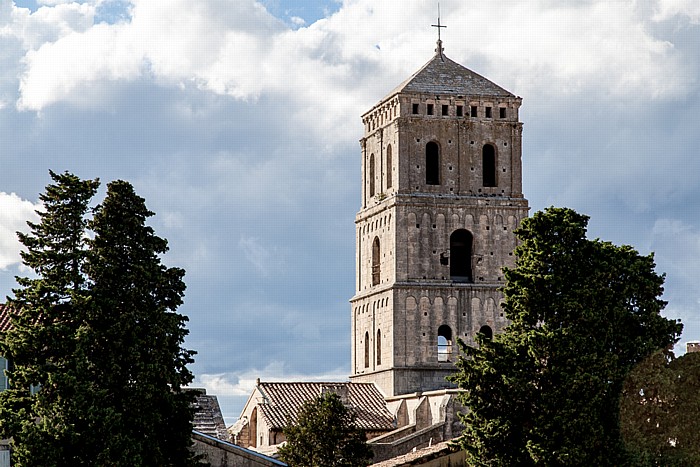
(219, 453)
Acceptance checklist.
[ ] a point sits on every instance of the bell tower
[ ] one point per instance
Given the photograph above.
(441, 197)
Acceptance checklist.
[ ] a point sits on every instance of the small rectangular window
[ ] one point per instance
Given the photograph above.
(487, 112)
(445, 110)
(460, 111)
(474, 111)
(415, 108)
(430, 109)
(502, 112)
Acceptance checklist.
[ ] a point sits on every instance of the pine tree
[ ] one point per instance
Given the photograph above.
(324, 435)
(96, 338)
(47, 315)
(583, 312)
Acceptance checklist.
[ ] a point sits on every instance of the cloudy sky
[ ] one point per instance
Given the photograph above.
(239, 120)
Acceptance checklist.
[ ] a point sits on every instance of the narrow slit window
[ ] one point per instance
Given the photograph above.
(461, 256)
(376, 262)
(389, 167)
(371, 175)
(489, 165)
(366, 349)
(379, 347)
(432, 164)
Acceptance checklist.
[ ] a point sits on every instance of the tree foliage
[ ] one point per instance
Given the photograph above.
(324, 435)
(660, 409)
(583, 312)
(97, 333)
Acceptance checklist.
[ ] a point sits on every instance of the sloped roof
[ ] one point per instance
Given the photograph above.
(207, 416)
(5, 323)
(442, 76)
(283, 401)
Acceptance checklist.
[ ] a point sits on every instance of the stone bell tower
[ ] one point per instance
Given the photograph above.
(441, 197)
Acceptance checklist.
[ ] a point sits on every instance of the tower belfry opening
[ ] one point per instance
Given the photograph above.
(445, 196)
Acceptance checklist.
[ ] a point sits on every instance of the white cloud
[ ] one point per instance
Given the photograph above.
(242, 383)
(667, 9)
(333, 67)
(14, 214)
(47, 24)
(233, 389)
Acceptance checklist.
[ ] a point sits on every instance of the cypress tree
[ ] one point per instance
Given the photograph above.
(47, 317)
(98, 367)
(136, 336)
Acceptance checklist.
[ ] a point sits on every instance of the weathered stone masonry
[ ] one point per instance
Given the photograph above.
(441, 197)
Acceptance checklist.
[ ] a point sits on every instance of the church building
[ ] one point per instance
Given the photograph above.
(441, 197)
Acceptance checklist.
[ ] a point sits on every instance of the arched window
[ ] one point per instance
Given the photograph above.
(376, 262)
(371, 175)
(489, 165)
(388, 166)
(432, 164)
(367, 350)
(461, 256)
(487, 332)
(444, 343)
(379, 347)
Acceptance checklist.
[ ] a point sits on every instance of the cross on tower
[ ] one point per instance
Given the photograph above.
(439, 26)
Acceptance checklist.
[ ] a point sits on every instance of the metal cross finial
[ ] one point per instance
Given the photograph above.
(439, 26)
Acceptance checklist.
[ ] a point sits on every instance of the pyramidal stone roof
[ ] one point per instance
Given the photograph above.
(442, 76)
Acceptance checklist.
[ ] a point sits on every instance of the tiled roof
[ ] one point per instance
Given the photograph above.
(5, 322)
(281, 401)
(442, 76)
(207, 416)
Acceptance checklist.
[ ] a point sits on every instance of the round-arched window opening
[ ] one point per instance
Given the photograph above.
(444, 343)
(487, 332)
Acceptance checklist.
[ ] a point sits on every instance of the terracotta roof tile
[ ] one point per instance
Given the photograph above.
(282, 401)
(5, 323)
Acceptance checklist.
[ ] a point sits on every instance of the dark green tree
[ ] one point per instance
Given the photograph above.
(660, 409)
(47, 314)
(324, 435)
(136, 337)
(97, 332)
(583, 312)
